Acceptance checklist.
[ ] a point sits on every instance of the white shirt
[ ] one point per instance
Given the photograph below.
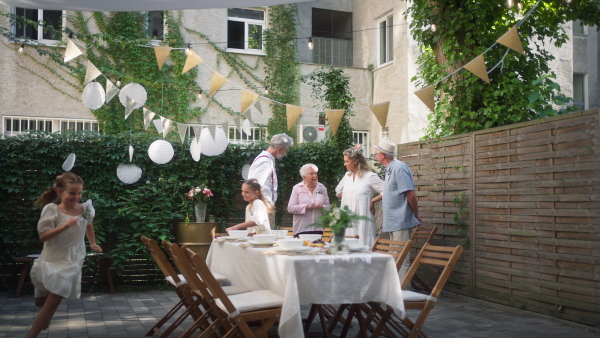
(263, 169)
(258, 215)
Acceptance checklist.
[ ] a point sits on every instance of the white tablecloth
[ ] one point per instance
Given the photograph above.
(320, 279)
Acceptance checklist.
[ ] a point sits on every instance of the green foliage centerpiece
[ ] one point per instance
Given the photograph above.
(338, 219)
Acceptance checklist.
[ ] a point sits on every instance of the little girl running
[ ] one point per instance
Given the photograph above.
(257, 211)
(64, 222)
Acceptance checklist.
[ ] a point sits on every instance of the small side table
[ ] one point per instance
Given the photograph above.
(28, 260)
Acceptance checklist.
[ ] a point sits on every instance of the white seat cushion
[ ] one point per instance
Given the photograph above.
(254, 300)
(411, 296)
(218, 277)
(234, 290)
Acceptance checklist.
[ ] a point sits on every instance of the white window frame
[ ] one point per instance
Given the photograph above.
(389, 40)
(385, 132)
(247, 22)
(361, 137)
(234, 135)
(52, 125)
(40, 29)
(584, 28)
(584, 83)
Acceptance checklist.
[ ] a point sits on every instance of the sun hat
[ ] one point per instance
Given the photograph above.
(387, 147)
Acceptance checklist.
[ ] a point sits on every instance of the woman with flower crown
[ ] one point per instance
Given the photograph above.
(356, 189)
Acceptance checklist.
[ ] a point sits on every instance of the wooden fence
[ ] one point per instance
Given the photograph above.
(525, 201)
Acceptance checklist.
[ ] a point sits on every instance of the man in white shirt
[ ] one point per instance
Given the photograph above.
(263, 169)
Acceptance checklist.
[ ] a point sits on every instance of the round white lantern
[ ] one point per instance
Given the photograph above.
(195, 149)
(134, 91)
(69, 162)
(214, 147)
(129, 173)
(161, 151)
(93, 95)
(245, 171)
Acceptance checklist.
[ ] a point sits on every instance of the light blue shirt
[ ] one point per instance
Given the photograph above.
(397, 214)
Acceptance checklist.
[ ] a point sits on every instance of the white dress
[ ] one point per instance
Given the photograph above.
(58, 269)
(357, 193)
(258, 215)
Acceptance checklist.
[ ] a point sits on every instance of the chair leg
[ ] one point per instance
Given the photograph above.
(156, 328)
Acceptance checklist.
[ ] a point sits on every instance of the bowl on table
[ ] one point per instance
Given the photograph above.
(237, 233)
(310, 237)
(352, 242)
(290, 243)
(264, 238)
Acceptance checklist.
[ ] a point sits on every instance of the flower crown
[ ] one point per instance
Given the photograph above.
(357, 149)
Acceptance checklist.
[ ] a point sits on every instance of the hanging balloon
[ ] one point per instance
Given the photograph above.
(214, 147)
(134, 91)
(161, 151)
(69, 162)
(93, 95)
(129, 173)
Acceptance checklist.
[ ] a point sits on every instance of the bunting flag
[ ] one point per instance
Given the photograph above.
(248, 98)
(72, 51)
(258, 107)
(238, 124)
(182, 128)
(111, 90)
(477, 67)
(91, 73)
(427, 96)
(334, 116)
(162, 53)
(197, 132)
(249, 115)
(192, 61)
(148, 117)
(512, 40)
(129, 107)
(381, 112)
(158, 124)
(293, 114)
(167, 126)
(225, 127)
(212, 129)
(216, 83)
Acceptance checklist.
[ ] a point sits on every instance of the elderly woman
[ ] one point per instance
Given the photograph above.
(356, 190)
(308, 198)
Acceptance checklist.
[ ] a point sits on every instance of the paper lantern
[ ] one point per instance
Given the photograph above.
(195, 149)
(93, 95)
(246, 127)
(69, 162)
(136, 92)
(245, 171)
(161, 151)
(216, 146)
(129, 173)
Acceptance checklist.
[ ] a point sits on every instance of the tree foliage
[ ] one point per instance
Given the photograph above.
(522, 88)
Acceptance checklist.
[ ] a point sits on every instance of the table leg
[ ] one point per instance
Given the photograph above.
(109, 279)
(24, 271)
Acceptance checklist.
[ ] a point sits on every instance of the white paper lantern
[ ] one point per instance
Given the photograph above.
(245, 171)
(195, 149)
(161, 151)
(129, 173)
(93, 95)
(246, 127)
(69, 162)
(214, 147)
(134, 91)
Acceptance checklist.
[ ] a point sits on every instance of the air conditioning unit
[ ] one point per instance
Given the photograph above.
(308, 133)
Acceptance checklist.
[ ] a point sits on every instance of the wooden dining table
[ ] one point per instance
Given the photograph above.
(309, 279)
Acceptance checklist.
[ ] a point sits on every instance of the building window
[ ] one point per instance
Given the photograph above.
(15, 125)
(385, 132)
(23, 28)
(385, 40)
(156, 25)
(579, 91)
(332, 37)
(362, 138)
(235, 136)
(245, 30)
(579, 28)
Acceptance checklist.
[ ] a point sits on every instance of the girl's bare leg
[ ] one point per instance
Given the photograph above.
(42, 321)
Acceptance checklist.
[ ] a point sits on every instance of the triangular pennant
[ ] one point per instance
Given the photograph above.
(334, 116)
(129, 106)
(167, 126)
(111, 90)
(216, 83)
(247, 98)
(91, 73)
(258, 107)
(381, 112)
(182, 128)
(148, 117)
(72, 51)
(225, 127)
(293, 114)
(512, 40)
(197, 132)
(427, 96)
(212, 129)
(192, 61)
(477, 67)
(162, 53)
(238, 124)
(158, 124)
(249, 115)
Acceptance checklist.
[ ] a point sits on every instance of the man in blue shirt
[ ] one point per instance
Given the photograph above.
(400, 208)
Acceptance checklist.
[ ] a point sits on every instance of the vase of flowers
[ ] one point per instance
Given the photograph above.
(200, 197)
(338, 219)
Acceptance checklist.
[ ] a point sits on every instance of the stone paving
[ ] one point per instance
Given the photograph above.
(130, 314)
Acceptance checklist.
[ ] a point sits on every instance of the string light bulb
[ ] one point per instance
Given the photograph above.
(519, 6)
(310, 43)
(432, 26)
(119, 82)
(267, 90)
(22, 48)
(188, 47)
(199, 93)
(510, 3)
(569, 1)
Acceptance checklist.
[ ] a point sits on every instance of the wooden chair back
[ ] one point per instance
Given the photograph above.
(398, 249)
(160, 259)
(423, 235)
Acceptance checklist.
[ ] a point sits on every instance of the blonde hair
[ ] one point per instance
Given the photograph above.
(254, 185)
(50, 195)
(356, 154)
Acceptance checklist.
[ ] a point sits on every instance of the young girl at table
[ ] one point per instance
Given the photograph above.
(257, 211)
(64, 222)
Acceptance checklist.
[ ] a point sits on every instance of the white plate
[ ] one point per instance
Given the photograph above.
(300, 249)
(360, 248)
(255, 243)
(233, 238)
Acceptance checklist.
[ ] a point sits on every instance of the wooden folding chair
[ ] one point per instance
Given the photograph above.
(238, 311)
(421, 235)
(187, 301)
(387, 322)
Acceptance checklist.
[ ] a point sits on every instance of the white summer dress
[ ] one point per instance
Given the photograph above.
(58, 269)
